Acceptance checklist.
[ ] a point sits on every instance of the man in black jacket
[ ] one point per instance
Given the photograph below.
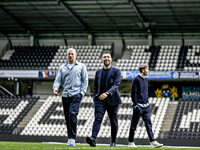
(106, 98)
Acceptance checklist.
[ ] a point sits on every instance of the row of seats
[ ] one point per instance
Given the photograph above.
(79, 51)
(130, 47)
(159, 58)
(192, 59)
(107, 47)
(49, 119)
(84, 53)
(163, 58)
(34, 58)
(12, 112)
(186, 122)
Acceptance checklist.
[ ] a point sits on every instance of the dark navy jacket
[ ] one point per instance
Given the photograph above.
(139, 90)
(112, 83)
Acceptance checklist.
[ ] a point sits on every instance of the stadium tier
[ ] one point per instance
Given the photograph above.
(136, 58)
(12, 112)
(49, 119)
(190, 58)
(159, 58)
(51, 57)
(26, 57)
(162, 58)
(89, 55)
(186, 120)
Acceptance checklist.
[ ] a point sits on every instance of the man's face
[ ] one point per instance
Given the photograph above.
(146, 71)
(106, 59)
(71, 55)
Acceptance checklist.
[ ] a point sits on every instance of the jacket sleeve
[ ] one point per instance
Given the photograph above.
(134, 89)
(95, 88)
(84, 80)
(57, 80)
(116, 82)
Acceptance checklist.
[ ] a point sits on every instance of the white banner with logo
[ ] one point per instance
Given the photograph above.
(19, 73)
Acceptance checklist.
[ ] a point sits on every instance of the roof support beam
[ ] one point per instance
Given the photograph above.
(117, 29)
(15, 18)
(170, 6)
(137, 11)
(71, 13)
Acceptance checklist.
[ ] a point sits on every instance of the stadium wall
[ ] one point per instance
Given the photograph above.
(136, 42)
(21, 42)
(51, 42)
(118, 45)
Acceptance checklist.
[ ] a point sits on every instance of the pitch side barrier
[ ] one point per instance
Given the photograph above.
(91, 74)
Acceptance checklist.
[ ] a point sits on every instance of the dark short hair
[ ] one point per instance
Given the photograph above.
(106, 52)
(142, 67)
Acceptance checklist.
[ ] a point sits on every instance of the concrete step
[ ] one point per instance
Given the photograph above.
(127, 54)
(168, 119)
(28, 117)
(8, 54)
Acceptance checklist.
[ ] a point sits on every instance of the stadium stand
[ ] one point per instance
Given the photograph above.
(51, 57)
(167, 58)
(89, 55)
(190, 58)
(12, 112)
(138, 52)
(186, 120)
(26, 57)
(49, 119)
(159, 58)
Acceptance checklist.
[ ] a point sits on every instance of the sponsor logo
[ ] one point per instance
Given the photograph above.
(190, 92)
(2, 73)
(175, 75)
(166, 91)
(44, 74)
(186, 75)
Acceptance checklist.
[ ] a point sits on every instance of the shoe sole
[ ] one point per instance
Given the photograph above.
(90, 142)
(156, 146)
(133, 146)
(70, 145)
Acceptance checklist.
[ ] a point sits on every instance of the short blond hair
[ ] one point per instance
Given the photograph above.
(71, 49)
(141, 67)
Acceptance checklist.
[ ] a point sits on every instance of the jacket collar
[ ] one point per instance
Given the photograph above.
(76, 63)
(141, 76)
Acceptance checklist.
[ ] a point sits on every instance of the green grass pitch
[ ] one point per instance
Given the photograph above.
(46, 146)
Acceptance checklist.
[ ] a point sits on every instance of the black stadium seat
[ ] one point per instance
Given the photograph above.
(27, 56)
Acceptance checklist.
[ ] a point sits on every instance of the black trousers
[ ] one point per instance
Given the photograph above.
(145, 113)
(101, 106)
(71, 107)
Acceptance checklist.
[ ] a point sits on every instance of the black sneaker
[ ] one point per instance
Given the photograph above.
(91, 141)
(112, 144)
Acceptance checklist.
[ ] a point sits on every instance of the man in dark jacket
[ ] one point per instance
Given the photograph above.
(106, 98)
(139, 95)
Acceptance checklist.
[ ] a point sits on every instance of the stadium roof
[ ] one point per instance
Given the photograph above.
(101, 18)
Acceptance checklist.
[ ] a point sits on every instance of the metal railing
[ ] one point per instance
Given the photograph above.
(5, 90)
(5, 49)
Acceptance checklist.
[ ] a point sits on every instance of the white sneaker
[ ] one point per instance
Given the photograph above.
(71, 142)
(68, 142)
(131, 144)
(155, 144)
